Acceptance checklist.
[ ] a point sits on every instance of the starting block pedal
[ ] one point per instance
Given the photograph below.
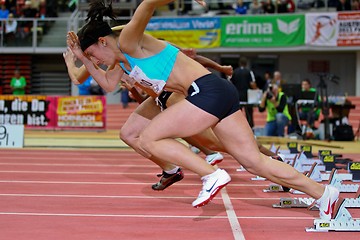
(337, 182)
(342, 221)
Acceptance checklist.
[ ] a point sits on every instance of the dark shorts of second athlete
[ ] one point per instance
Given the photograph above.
(214, 95)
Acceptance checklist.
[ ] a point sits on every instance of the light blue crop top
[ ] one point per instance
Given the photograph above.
(156, 68)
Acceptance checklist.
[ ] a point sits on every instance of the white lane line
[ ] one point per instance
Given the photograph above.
(234, 223)
(124, 172)
(78, 165)
(117, 183)
(80, 158)
(89, 196)
(78, 173)
(146, 216)
(118, 196)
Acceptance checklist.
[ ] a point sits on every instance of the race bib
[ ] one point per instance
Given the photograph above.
(140, 77)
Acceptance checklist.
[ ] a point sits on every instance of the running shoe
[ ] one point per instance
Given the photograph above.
(212, 184)
(167, 180)
(214, 158)
(326, 203)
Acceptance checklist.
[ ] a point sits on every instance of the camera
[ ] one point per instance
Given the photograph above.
(269, 94)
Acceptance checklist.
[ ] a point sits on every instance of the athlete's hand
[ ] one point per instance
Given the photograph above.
(227, 70)
(69, 57)
(73, 43)
(190, 52)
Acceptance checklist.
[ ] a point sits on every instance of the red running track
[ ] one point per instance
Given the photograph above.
(106, 194)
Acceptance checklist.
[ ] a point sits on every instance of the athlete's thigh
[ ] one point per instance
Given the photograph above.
(174, 98)
(140, 118)
(148, 108)
(180, 120)
(208, 139)
(237, 137)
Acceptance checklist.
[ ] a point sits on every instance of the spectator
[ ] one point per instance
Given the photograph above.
(4, 12)
(244, 79)
(278, 116)
(10, 29)
(124, 97)
(18, 83)
(240, 7)
(318, 4)
(28, 10)
(255, 7)
(268, 81)
(290, 5)
(305, 111)
(268, 7)
(278, 79)
(355, 6)
(42, 8)
(85, 87)
(343, 5)
(51, 8)
(11, 6)
(286, 6)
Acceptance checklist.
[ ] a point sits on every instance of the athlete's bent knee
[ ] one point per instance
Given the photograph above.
(128, 136)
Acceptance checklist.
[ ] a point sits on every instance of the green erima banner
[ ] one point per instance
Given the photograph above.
(263, 31)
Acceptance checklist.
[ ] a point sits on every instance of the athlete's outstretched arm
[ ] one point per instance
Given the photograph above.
(208, 63)
(108, 79)
(77, 74)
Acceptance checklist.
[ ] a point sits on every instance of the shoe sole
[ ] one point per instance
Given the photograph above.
(211, 196)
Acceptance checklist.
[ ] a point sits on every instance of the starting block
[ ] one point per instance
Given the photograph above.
(342, 221)
(337, 182)
(307, 202)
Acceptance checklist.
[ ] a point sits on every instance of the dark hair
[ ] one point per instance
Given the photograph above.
(96, 27)
(307, 80)
(243, 61)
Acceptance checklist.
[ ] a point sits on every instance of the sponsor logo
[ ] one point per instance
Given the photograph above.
(288, 28)
(329, 158)
(324, 225)
(325, 152)
(246, 28)
(286, 202)
(355, 166)
(209, 190)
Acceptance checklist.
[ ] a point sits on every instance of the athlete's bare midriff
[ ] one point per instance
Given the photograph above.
(184, 73)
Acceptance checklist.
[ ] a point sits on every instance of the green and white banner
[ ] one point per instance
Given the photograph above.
(263, 31)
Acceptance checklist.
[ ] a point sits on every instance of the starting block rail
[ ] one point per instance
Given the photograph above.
(342, 221)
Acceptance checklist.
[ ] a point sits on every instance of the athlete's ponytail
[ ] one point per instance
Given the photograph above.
(98, 10)
(96, 27)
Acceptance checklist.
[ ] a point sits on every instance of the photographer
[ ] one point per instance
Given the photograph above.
(278, 116)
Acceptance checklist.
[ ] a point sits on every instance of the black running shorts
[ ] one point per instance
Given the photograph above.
(214, 95)
(162, 99)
